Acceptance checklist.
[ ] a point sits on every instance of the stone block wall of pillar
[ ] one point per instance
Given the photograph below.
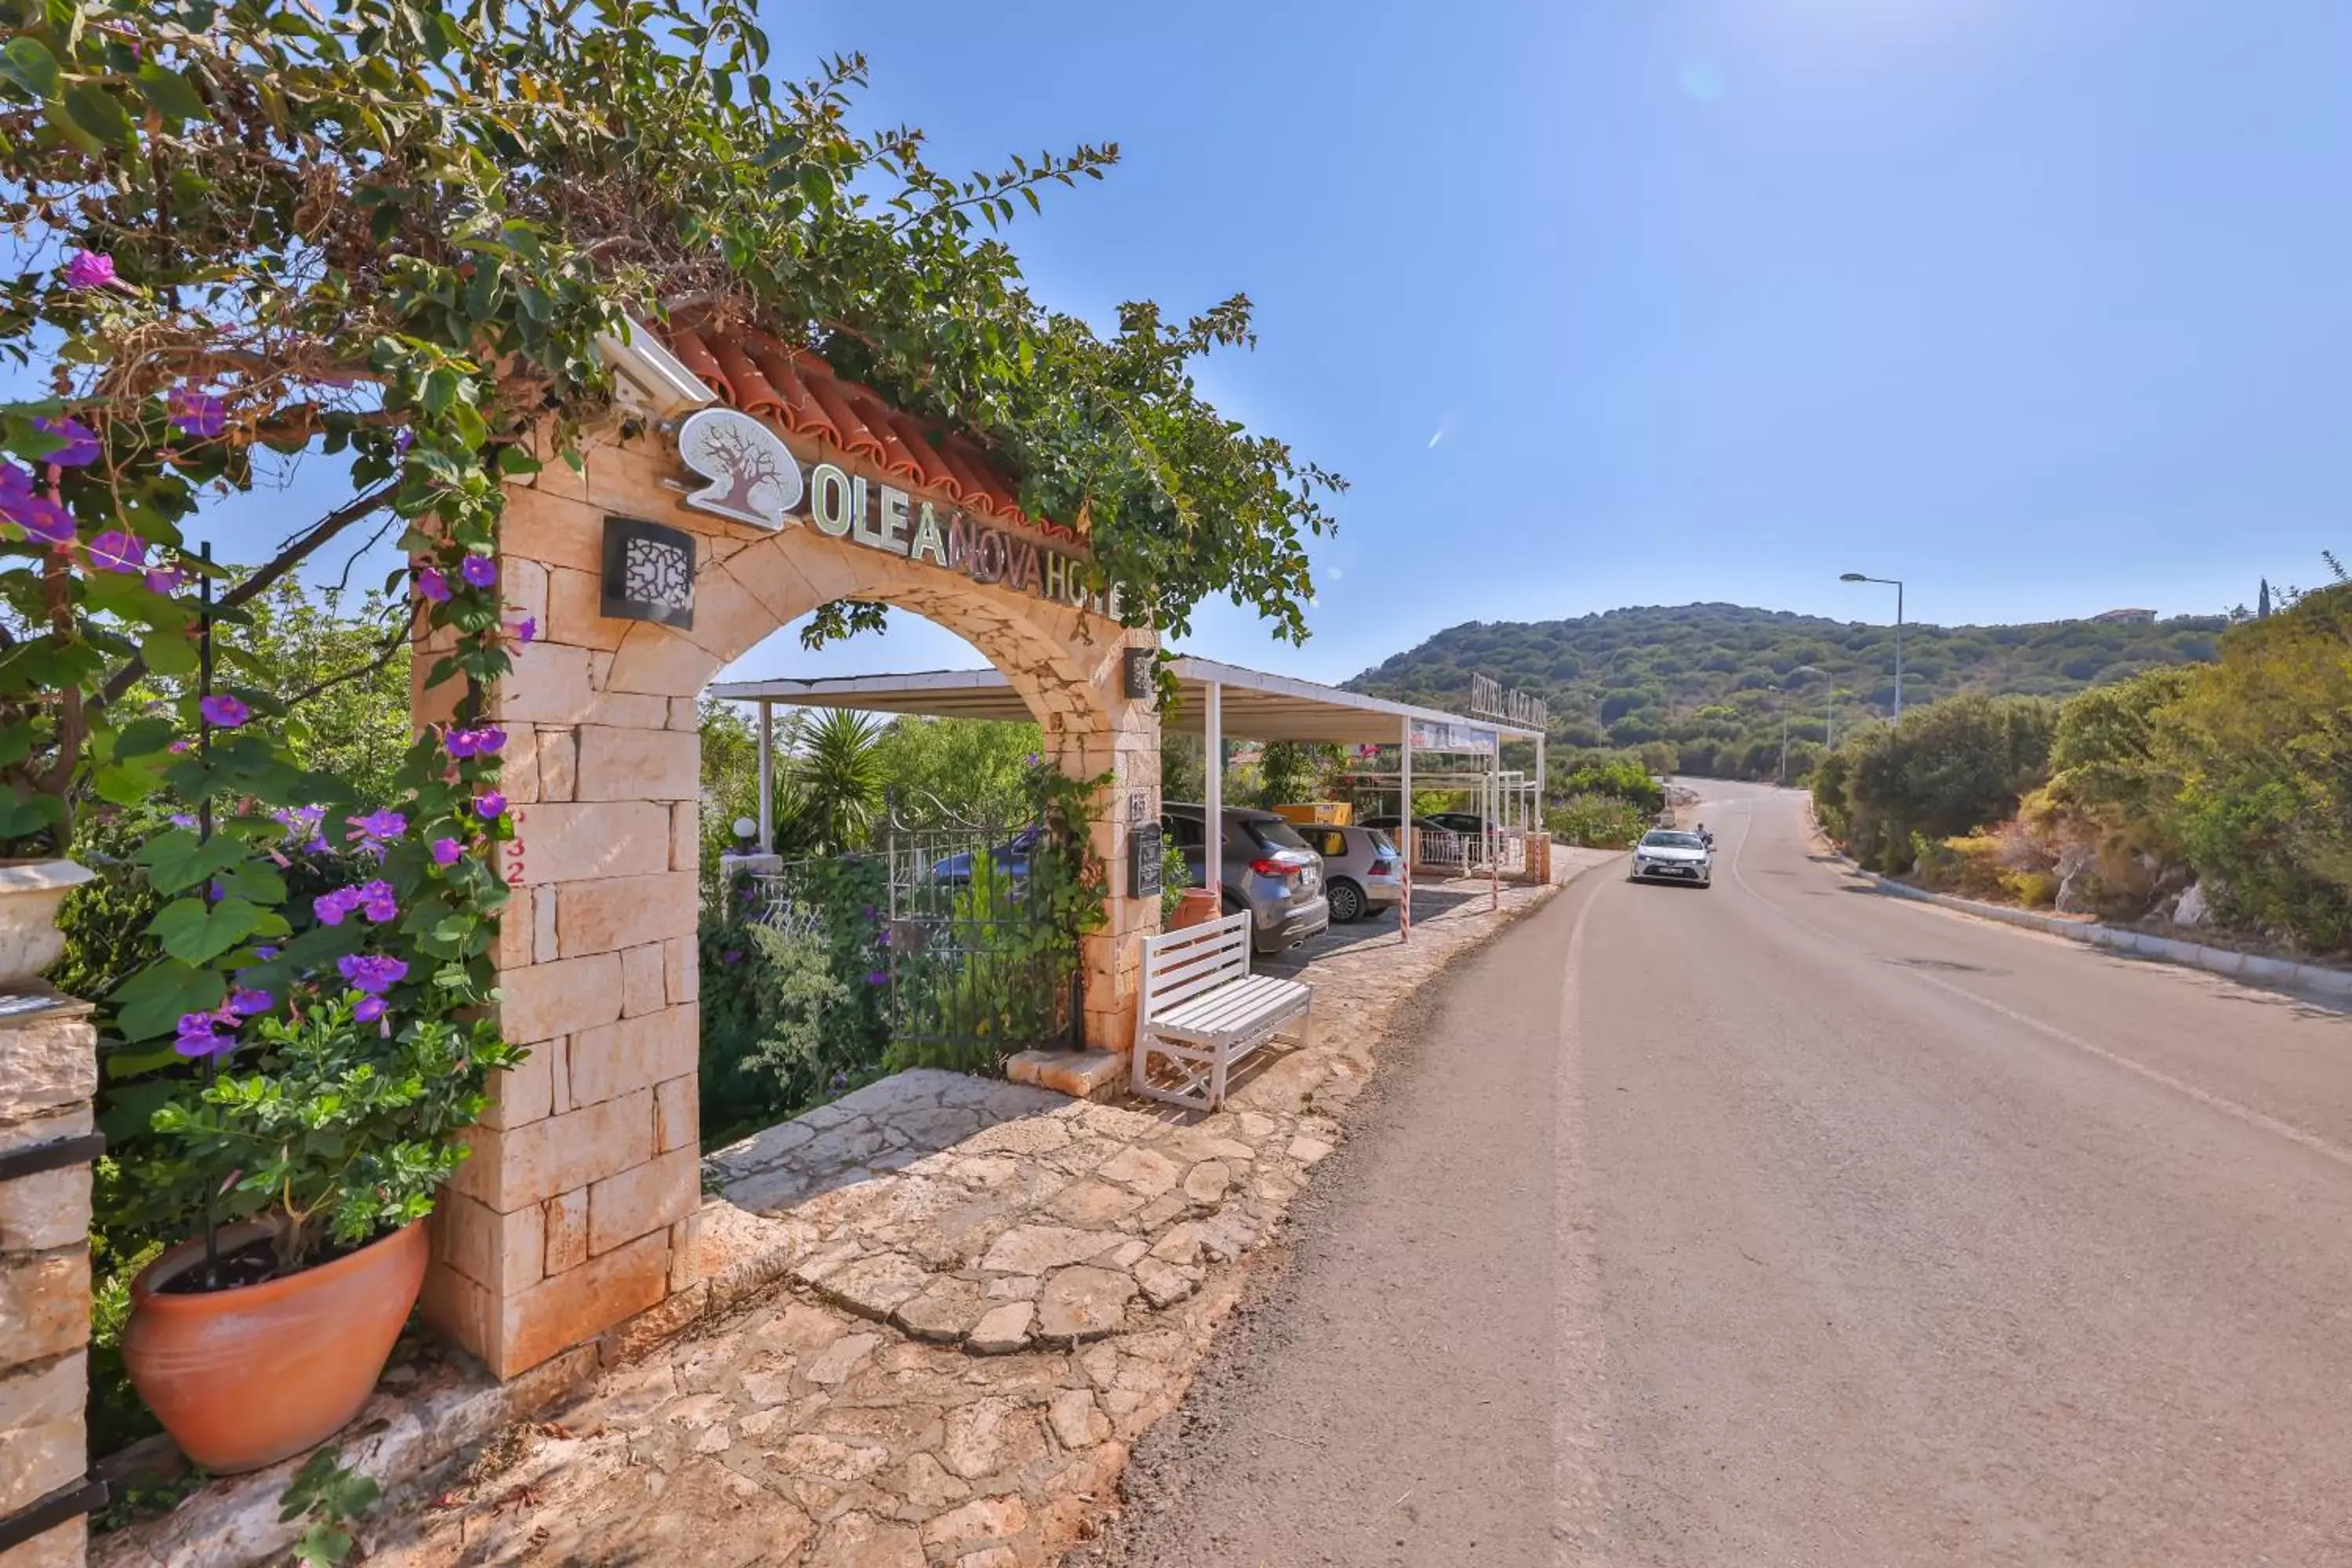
(48, 1074)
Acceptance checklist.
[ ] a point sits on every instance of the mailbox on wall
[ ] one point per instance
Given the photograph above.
(1143, 851)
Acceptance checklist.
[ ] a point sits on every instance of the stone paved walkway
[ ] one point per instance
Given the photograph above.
(993, 1291)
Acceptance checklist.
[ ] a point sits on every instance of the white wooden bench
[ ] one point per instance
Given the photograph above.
(1203, 1012)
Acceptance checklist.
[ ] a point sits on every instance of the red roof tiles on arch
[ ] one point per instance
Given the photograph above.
(759, 374)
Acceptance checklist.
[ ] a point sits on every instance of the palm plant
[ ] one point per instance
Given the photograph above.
(837, 778)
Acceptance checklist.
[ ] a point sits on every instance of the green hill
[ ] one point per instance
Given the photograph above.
(1708, 679)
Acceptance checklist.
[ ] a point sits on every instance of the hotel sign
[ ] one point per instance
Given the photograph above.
(752, 477)
(1514, 708)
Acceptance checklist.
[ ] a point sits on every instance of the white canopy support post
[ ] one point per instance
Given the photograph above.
(1404, 837)
(767, 778)
(1493, 827)
(1213, 851)
(1543, 789)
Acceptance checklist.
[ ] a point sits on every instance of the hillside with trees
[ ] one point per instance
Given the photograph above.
(1701, 688)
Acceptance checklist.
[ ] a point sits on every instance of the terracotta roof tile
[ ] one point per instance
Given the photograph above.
(759, 374)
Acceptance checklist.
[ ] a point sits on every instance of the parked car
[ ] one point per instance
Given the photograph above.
(1664, 855)
(1363, 870)
(1010, 859)
(1263, 868)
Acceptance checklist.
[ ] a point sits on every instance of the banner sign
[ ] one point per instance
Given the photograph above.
(1433, 735)
(752, 477)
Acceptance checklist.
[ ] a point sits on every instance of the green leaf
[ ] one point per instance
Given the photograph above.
(94, 112)
(29, 814)
(28, 63)
(168, 92)
(257, 881)
(150, 1002)
(139, 737)
(132, 781)
(169, 653)
(195, 934)
(177, 859)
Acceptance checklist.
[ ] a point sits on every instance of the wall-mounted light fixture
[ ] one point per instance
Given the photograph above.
(648, 572)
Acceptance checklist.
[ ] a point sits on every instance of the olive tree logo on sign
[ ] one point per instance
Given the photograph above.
(753, 478)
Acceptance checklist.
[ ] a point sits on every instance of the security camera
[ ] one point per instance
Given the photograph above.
(648, 377)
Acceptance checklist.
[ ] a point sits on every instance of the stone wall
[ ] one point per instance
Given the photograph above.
(48, 1073)
(576, 1211)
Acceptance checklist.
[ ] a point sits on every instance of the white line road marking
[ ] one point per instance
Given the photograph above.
(2205, 1096)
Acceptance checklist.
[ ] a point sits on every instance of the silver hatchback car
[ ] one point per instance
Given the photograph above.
(1363, 874)
(1265, 868)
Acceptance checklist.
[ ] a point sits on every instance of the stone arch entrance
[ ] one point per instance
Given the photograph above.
(576, 1209)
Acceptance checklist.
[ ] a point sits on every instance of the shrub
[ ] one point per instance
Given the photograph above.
(1597, 821)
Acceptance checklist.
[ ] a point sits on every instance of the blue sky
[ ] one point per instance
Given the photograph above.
(2046, 308)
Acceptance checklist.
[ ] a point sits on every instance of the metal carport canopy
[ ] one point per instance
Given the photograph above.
(1254, 705)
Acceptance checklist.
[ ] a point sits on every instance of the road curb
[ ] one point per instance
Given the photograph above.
(2253, 968)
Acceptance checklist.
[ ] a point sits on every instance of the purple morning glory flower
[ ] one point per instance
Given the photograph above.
(370, 1009)
(376, 829)
(247, 1003)
(479, 742)
(225, 710)
(41, 519)
(432, 585)
(732, 955)
(877, 977)
(265, 951)
(197, 1036)
(491, 807)
(371, 972)
(164, 580)
(81, 449)
(184, 819)
(198, 413)
(527, 629)
(117, 550)
(89, 269)
(480, 570)
(376, 901)
(447, 851)
(331, 908)
(403, 441)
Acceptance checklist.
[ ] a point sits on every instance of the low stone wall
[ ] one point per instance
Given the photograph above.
(48, 1073)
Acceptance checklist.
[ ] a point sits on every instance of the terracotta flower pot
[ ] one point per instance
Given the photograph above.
(30, 892)
(245, 1378)
(1199, 906)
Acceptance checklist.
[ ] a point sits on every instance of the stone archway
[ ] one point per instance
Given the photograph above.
(576, 1211)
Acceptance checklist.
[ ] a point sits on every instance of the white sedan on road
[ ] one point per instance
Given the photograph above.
(1665, 854)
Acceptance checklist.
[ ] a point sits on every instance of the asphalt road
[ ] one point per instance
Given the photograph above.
(1787, 1224)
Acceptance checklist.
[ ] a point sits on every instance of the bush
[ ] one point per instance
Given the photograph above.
(1597, 821)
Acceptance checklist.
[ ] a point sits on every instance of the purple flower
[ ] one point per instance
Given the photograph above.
(303, 820)
(403, 441)
(117, 550)
(882, 937)
(479, 742)
(370, 1009)
(184, 819)
(480, 570)
(491, 807)
(331, 908)
(877, 977)
(376, 901)
(247, 1002)
(446, 852)
(198, 1037)
(225, 710)
(266, 952)
(732, 955)
(198, 413)
(527, 629)
(432, 585)
(376, 829)
(164, 580)
(371, 972)
(81, 449)
(1032, 760)
(40, 518)
(89, 269)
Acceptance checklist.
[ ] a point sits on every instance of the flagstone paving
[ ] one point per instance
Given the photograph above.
(990, 1292)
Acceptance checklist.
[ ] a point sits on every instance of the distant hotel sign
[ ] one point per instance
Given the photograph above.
(1516, 707)
(752, 477)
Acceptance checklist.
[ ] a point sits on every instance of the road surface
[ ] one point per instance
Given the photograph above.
(1789, 1223)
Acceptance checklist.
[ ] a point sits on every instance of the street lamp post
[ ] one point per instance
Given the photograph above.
(1897, 585)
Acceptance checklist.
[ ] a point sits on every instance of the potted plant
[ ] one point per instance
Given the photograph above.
(322, 1149)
